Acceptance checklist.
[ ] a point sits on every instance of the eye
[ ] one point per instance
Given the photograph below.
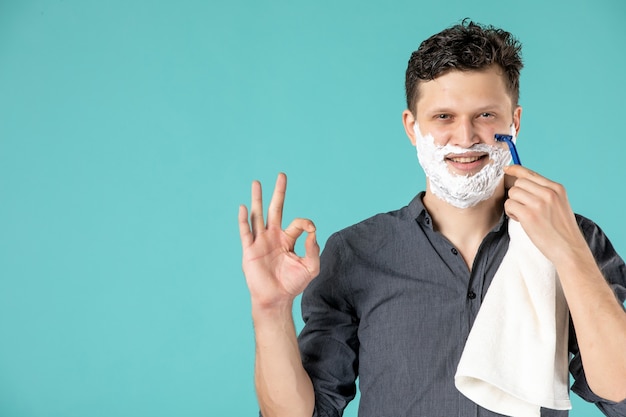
(486, 115)
(442, 116)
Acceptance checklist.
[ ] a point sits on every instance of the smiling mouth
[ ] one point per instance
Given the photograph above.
(466, 159)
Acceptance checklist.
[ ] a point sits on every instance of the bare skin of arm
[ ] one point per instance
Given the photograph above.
(542, 208)
(275, 275)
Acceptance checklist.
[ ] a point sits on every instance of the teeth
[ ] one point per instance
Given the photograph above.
(465, 160)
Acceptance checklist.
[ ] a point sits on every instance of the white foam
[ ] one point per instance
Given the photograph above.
(461, 191)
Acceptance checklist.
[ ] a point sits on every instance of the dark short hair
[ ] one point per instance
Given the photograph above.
(466, 46)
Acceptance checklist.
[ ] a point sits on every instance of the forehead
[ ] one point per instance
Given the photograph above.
(465, 90)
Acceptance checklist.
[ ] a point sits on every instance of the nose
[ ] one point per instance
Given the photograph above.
(465, 134)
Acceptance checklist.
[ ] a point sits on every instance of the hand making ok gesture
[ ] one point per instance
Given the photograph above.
(274, 273)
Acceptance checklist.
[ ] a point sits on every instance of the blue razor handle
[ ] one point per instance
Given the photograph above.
(509, 141)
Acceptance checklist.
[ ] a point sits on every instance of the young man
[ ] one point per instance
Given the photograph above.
(394, 297)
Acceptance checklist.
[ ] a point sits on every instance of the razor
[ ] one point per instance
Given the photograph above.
(509, 141)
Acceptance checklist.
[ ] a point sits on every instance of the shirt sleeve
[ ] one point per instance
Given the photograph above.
(328, 342)
(614, 271)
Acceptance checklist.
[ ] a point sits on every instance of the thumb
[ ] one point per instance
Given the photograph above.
(312, 254)
(509, 181)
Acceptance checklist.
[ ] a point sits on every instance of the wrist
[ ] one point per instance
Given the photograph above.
(574, 258)
(273, 311)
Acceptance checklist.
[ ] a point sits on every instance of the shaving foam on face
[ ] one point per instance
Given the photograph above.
(461, 191)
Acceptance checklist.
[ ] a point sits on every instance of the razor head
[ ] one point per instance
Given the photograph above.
(500, 137)
(508, 139)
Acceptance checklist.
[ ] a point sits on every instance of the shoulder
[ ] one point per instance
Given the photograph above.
(609, 261)
(370, 245)
(585, 223)
(381, 229)
(592, 232)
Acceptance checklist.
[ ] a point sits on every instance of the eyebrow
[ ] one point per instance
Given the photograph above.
(488, 108)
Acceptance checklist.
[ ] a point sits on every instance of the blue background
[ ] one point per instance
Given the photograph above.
(130, 132)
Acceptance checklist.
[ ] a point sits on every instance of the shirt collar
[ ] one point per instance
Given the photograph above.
(421, 215)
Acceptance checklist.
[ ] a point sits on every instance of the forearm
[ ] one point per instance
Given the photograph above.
(600, 323)
(283, 386)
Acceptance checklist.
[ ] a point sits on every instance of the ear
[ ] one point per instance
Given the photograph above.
(408, 120)
(517, 119)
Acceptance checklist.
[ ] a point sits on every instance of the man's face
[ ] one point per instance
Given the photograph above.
(464, 108)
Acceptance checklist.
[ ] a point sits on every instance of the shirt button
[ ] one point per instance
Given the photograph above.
(454, 251)
(471, 295)
(427, 220)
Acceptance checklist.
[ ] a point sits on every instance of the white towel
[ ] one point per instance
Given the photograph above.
(515, 359)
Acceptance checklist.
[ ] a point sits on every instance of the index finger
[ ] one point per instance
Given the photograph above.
(513, 172)
(275, 209)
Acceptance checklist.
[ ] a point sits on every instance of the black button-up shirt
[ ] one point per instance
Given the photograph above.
(393, 305)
